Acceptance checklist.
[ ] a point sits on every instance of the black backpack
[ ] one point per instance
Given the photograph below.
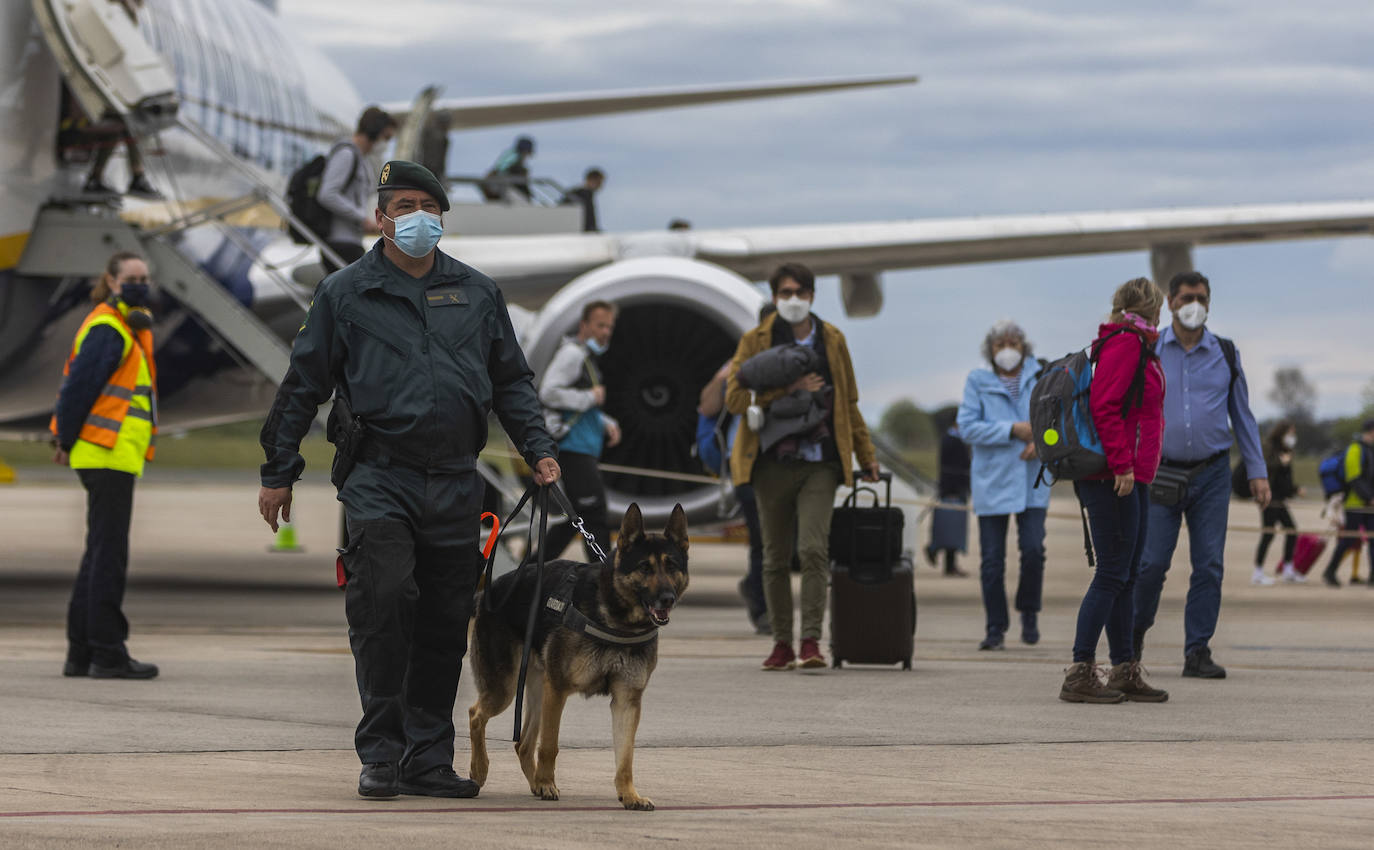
(1062, 428)
(301, 190)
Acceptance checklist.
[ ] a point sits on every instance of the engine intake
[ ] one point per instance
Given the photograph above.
(679, 321)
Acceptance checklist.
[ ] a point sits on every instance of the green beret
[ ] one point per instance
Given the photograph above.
(404, 174)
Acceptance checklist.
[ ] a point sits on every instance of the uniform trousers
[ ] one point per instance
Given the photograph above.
(412, 564)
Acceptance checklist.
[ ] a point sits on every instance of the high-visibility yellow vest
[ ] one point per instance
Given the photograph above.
(1352, 468)
(120, 431)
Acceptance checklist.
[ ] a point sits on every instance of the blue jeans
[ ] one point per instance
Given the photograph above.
(992, 541)
(1118, 526)
(1205, 507)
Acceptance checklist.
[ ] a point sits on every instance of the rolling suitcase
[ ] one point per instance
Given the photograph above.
(949, 526)
(872, 601)
(1308, 549)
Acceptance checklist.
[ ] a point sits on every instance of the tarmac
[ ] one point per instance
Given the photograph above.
(245, 740)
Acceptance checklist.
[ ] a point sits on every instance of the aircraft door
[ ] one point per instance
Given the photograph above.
(110, 68)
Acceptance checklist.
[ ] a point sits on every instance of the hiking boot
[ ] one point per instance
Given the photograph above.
(1199, 665)
(810, 654)
(1082, 684)
(992, 642)
(1129, 679)
(782, 658)
(1258, 577)
(1030, 628)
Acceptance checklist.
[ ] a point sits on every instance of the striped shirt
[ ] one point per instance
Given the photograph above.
(1013, 385)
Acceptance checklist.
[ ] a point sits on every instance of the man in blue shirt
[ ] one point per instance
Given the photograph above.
(573, 394)
(1205, 397)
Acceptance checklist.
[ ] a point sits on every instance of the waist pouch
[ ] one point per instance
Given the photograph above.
(1171, 482)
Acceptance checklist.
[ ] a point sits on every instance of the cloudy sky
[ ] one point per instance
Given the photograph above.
(1023, 107)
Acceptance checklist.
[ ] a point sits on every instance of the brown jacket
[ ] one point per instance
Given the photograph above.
(851, 433)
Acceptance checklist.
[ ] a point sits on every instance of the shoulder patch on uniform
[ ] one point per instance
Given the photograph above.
(306, 318)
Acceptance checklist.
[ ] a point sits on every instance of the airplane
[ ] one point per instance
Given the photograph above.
(224, 103)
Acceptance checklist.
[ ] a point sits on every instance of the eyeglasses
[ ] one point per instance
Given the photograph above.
(788, 292)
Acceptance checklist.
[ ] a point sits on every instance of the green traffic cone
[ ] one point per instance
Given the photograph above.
(286, 539)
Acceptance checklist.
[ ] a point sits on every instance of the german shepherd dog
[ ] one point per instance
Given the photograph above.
(634, 593)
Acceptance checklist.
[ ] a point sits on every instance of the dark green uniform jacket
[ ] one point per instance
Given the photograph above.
(421, 361)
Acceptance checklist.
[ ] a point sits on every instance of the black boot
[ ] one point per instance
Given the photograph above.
(1030, 628)
(438, 782)
(126, 669)
(1329, 576)
(377, 780)
(78, 662)
(992, 641)
(1199, 665)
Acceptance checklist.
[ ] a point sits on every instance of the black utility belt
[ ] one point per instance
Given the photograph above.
(1196, 464)
(379, 454)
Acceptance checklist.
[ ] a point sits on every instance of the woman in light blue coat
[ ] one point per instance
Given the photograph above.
(994, 419)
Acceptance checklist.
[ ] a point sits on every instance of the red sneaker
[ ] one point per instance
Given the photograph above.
(811, 653)
(782, 657)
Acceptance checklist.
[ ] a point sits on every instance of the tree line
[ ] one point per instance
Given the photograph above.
(913, 428)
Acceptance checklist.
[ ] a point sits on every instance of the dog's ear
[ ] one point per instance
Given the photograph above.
(676, 531)
(631, 528)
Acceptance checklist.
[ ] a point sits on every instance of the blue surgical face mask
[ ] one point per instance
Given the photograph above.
(596, 347)
(416, 233)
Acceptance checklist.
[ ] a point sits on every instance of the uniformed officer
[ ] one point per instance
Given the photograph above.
(421, 347)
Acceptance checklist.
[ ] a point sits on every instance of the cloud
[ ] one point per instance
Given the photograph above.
(1052, 105)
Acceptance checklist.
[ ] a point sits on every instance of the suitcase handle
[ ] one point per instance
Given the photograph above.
(885, 477)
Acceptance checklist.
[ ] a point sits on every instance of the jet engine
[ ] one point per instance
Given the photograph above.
(679, 321)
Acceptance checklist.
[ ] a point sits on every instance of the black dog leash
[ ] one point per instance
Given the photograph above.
(541, 505)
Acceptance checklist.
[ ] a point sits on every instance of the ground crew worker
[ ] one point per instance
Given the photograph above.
(103, 426)
(421, 347)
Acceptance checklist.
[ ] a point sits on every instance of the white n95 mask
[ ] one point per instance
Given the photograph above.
(1007, 359)
(794, 309)
(1192, 315)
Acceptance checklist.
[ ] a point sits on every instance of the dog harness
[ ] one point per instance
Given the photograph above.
(560, 602)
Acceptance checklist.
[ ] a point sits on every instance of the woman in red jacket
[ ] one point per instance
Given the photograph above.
(1128, 412)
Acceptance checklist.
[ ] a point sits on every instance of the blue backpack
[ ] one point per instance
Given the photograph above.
(1332, 472)
(1061, 419)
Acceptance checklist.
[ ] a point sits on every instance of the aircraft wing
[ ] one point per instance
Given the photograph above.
(841, 248)
(533, 267)
(470, 113)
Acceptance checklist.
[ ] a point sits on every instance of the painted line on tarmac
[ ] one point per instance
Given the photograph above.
(382, 809)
